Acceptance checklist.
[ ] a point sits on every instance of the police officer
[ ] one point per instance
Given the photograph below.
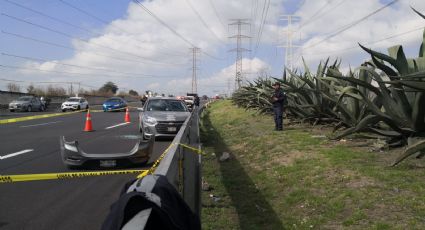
(278, 100)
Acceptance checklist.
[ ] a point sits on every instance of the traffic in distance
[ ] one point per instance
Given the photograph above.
(158, 118)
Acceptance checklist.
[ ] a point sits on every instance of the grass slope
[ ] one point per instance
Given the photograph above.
(297, 180)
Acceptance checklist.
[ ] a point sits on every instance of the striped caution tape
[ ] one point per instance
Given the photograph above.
(27, 118)
(63, 176)
(155, 165)
(73, 175)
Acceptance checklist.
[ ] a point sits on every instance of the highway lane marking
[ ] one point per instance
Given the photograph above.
(114, 126)
(48, 123)
(19, 119)
(16, 154)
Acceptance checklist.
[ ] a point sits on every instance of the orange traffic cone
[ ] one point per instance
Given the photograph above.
(127, 116)
(88, 127)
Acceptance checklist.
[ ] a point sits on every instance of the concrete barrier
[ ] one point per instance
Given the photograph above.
(182, 168)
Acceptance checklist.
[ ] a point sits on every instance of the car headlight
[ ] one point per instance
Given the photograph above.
(104, 105)
(149, 120)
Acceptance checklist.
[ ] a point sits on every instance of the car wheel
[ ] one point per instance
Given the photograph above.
(78, 108)
(11, 110)
(87, 107)
(29, 109)
(63, 110)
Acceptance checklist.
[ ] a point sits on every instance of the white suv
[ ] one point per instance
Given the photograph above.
(75, 103)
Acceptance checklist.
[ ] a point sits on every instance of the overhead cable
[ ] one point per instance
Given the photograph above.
(203, 22)
(91, 52)
(350, 25)
(79, 39)
(79, 66)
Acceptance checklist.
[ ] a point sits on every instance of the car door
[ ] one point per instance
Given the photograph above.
(35, 103)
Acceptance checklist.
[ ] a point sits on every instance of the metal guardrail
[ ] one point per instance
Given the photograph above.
(180, 166)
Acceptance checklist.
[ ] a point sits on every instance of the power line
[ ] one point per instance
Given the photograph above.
(324, 13)
(171, 29)
(371, 42)
(89, 14)
(73, 49)
(73, 73)
(49, 82)
(203, 21)
(314, 15)
(163, 23)
(79, 39)
(350, 25)
(79, 66)
(216, 13)
(102, 21)
(263, 18)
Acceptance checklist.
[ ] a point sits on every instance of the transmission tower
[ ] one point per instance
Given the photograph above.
(289, 46)
(239, 50)
(195, 52)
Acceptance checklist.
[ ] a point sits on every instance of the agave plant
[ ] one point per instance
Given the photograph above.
(397, 109)
(255, 96)
(385, 96)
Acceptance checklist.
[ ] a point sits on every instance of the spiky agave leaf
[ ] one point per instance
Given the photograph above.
(417, 147)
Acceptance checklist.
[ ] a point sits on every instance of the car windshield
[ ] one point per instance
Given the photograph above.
(166, 105)
(73, 100)
(114, 100)
(24, 99)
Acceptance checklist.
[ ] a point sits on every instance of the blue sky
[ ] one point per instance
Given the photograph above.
(124, 43)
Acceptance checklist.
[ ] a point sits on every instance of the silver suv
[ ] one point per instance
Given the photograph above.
(26, 103)
(162, 117)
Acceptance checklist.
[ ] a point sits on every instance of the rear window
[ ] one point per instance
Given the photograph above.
(114, 100)
(24, 99)
(166, 105)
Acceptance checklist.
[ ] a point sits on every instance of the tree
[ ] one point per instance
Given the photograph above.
(55, 91)
(12, 87)
(133, 93)
(31, 89)
(109, 87)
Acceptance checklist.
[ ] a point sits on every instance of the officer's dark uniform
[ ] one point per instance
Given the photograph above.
(278, 108)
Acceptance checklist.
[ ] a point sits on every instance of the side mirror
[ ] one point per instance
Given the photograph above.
(140, 109)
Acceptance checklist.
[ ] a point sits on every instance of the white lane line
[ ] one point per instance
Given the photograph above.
(114, 126)
(48, 123)
(16, 154)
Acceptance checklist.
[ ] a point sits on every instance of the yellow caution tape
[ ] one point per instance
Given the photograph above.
(27, 118)
(196, 150)
(72, 175)
(155, 165)
(62, 176)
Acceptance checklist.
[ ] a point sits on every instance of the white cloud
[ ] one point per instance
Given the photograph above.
(136, 45)
(372, 32)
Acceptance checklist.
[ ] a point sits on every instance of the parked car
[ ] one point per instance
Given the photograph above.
(114, 104)
(190, 101)
(75, 103)
(26, 103)
(162, 117)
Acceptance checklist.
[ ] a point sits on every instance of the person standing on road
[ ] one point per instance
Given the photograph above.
(196, 101)
(278, 100)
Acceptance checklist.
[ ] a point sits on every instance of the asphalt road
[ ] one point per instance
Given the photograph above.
(81, 203)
